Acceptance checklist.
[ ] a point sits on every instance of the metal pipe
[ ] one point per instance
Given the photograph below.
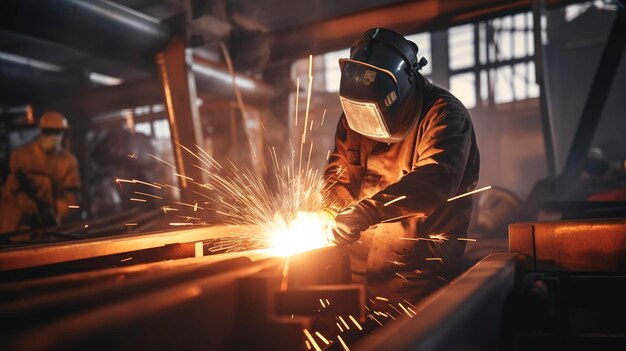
(215, 78)
(105, 29)
(98, 27)
(22, 82)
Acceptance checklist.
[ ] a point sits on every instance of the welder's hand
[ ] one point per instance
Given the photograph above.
(349, 223)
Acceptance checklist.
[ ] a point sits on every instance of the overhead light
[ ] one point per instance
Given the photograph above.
(102, 79)
(30, 62)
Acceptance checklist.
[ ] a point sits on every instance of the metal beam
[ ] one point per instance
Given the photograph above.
(23, 83)
(588, 245)
(449, 318)
(544, 95)
(18, 258)
(179, 90)
(101, 28)
(406, 18)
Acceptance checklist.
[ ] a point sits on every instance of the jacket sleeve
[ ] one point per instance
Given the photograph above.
(336, 177)
(442, 154)
(13, 192)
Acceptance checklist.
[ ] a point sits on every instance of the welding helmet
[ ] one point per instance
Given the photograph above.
(381, 89)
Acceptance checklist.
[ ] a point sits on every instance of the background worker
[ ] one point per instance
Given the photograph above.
(44, 179)
(403, 147)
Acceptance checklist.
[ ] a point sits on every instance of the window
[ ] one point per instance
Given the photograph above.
(504, 49)
(423, 44)
(144, 128)
(461, 46)
(332, 73)
(161, 129)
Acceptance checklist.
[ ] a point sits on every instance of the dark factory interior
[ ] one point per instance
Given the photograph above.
(312, 175)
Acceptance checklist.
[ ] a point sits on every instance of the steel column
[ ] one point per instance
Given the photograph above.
(544, 93)
(179, 90)
(598, 95)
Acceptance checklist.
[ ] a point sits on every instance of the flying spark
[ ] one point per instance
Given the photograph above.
(401, 276)
(394, 200)
(319, 335)
(405, 310)
(285, 280)
(355, 322)
(470, 193)
(279, 216)
(344, 322)
(374, 319)
(313, 342)
(343, 344)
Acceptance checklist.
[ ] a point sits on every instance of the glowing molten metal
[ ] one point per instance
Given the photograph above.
(308, 231)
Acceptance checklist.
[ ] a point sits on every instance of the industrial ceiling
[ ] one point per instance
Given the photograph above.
(51, 50)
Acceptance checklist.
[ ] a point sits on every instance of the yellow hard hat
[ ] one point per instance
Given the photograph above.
(53, 120)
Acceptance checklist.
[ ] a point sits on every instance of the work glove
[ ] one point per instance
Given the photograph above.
(350, 222)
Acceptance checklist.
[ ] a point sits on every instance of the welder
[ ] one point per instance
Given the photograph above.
(403, 147)
(44, 179)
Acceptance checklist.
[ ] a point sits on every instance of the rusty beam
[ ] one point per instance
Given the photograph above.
(590, 245)
(464, 315)
(406, 18)
(17, 258)
(210, 77)
(179, 91)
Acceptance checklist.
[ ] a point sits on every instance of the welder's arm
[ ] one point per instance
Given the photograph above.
(336, 177)
(443, 152)
(18, 197)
